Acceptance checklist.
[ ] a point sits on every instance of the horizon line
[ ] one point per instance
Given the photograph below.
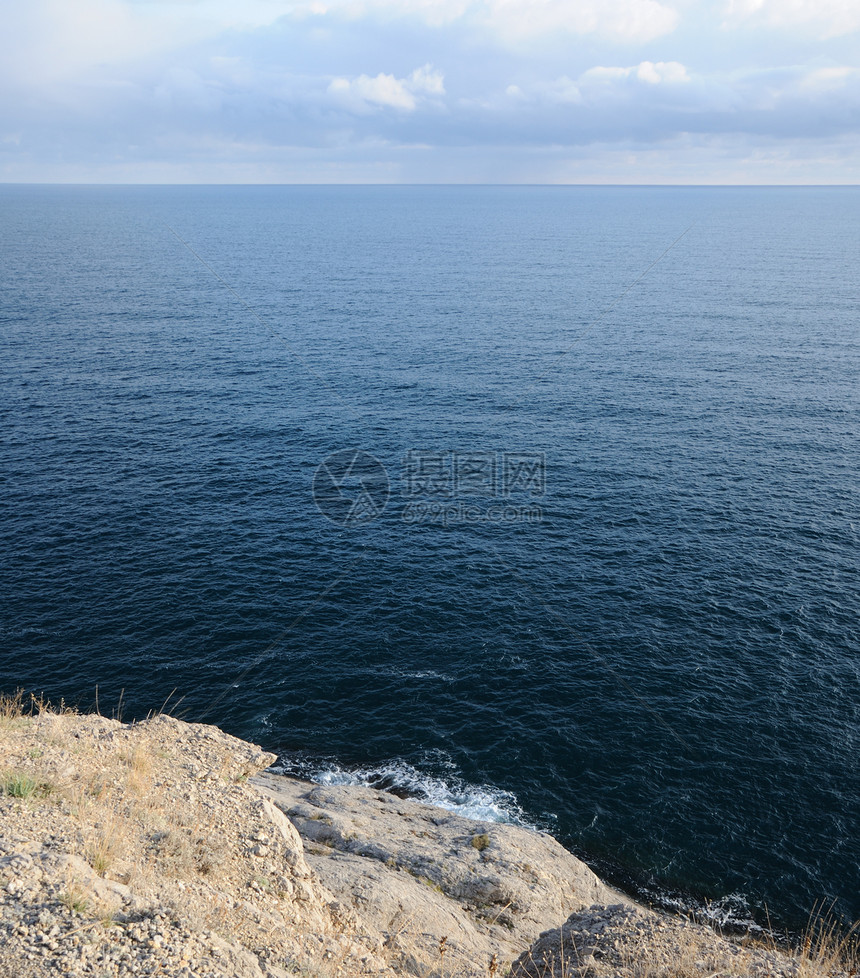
(209, 183)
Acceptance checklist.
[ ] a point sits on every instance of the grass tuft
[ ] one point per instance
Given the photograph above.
(828, 947)
(20, 786)
(74, 900)
(11, 706)
(25, 787)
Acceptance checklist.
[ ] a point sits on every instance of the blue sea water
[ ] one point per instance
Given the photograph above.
(612, 588)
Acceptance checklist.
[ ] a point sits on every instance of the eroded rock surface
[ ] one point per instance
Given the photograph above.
(419, 874)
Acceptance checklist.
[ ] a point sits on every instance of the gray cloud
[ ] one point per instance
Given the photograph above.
(365, 92)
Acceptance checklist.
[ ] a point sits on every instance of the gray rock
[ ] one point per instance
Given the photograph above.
(628, 940)
(419, 874)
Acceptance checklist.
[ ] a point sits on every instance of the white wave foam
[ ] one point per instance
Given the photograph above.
(483, 803)
(731, 912)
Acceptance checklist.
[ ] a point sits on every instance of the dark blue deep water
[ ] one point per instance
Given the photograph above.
(615, 590)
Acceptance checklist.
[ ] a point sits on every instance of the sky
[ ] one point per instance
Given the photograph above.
(430, 91)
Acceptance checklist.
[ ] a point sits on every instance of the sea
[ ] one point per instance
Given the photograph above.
(541, 504)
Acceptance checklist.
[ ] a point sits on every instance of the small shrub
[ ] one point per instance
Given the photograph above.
(105, 843)
(480, 842)
(100, 861)
(108, 920)
(173, 849)
(208, 856)
(97, 788)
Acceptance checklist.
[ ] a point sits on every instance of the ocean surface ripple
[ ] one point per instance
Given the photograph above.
(654, 653)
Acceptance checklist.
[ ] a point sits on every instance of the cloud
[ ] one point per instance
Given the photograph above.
(46, 42)
(668, 72)
(427, 80)
(661, 72)
(822, 79)
(174, 84)
(649, 103)
(626, 20)
(828, 18)
(514, 21)
(381, 90)
(388, 91)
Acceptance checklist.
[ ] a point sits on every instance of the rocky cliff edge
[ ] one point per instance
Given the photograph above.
(159, 848)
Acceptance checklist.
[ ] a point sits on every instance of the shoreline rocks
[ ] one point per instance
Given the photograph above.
(489, 889)
(163, 848)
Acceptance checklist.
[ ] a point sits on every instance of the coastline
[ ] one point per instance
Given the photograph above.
(166, 847)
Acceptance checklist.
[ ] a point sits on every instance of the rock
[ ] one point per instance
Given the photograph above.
(414, 873)
(147, 849)
(292, 847)
(623, 939)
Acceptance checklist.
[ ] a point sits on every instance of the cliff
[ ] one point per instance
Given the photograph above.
(160, 848)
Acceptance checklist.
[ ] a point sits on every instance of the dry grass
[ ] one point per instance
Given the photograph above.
(110, 794)
(139, 764)
(11, 706)
(107, 840)
(827, 950)
(828, 947)
(18, 705)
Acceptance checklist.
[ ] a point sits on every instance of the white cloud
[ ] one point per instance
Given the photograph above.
(517, 20)
(388, 91)
(46, 41)
(653, 101)
(828, 18)
(650, 72)
(381, 90)
(669, 72)
(185, 83)
(424, 79)
(565, 90)
(601, 74)
(141, 24)
(627, 20)
(823, 79)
